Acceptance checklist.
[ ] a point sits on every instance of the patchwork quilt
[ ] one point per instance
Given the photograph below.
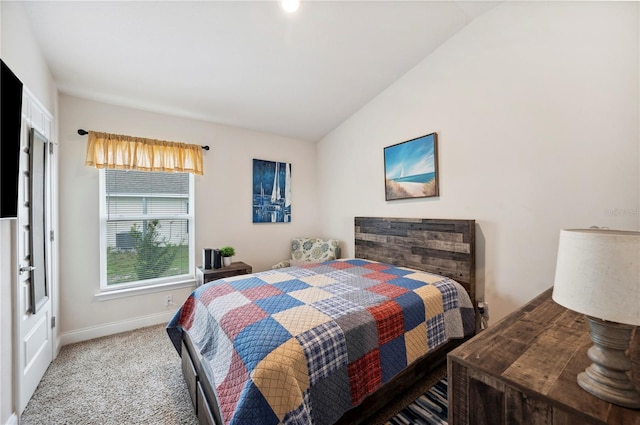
(302, 345)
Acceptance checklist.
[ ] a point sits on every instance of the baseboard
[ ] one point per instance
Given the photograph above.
(13, 420)
(114, 328)
(57, 346)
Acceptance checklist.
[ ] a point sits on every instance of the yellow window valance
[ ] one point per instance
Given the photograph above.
(105, 150)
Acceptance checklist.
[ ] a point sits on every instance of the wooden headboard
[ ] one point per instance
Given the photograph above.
(444, 247)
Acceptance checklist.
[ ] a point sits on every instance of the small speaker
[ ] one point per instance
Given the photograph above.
(217, 259)
(206, 258)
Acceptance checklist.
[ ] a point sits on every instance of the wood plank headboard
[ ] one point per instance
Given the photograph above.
(445, 247)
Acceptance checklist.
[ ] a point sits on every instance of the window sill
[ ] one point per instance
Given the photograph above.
(149, 289)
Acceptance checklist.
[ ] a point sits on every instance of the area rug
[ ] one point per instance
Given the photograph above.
(429, 408)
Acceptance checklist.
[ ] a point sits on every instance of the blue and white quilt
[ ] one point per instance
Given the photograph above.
(302, 345)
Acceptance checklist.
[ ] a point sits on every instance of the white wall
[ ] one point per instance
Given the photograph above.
(21, 53)
(536, 109)
(223, 210)
(7, 278)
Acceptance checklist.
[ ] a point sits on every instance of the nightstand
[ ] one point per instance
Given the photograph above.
(523, 371)
(207, 275)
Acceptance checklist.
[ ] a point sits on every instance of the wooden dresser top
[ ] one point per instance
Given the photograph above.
(540, 349)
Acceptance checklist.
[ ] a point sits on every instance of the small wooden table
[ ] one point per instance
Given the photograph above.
(523, 371)
(235, 269)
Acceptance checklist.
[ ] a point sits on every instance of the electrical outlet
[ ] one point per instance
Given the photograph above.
(484, 309)
(168, 300)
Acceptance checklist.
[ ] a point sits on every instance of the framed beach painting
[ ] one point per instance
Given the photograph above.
(411, 168)
(271, 191)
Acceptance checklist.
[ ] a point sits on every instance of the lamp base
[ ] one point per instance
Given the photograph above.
(607, 378)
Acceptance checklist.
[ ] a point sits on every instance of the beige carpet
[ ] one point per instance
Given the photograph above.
(129, 378)
(133, 378)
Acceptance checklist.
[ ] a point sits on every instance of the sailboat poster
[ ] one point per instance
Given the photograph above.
(271, 191)
(411, 168)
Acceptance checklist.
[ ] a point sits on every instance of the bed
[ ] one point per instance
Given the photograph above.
(329, 342)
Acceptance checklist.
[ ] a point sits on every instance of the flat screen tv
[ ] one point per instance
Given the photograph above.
(11, 119)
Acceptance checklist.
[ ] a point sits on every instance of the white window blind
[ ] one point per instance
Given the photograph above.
(147, 227)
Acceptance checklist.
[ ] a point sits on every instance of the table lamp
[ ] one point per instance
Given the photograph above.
(598, 274)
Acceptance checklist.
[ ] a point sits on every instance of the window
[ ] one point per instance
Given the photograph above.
(146, 228)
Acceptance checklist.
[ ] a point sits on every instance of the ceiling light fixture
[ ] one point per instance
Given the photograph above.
(290, 5)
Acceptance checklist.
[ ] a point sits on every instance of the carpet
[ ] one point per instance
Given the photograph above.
(135, 378)
(129, 378)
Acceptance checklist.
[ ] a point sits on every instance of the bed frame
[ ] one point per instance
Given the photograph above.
(445, 247)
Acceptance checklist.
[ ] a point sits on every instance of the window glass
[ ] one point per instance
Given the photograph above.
(146, 225)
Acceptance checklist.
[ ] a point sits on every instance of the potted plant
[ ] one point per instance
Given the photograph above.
(227, 252)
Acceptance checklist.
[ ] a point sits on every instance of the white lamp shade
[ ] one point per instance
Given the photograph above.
(598, 274)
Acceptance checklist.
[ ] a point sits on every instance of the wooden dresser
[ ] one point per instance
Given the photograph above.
(523, 371)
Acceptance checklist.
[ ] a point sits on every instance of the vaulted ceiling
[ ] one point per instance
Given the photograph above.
(242, 63)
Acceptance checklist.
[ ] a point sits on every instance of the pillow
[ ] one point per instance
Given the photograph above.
(314, 249)
(303, 262)
(281, 265)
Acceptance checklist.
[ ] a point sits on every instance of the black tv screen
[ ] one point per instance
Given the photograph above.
(11, 118)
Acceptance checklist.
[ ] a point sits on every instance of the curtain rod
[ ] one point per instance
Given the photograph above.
(85, 132)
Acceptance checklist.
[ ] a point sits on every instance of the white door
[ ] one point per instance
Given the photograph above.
(34, 349)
